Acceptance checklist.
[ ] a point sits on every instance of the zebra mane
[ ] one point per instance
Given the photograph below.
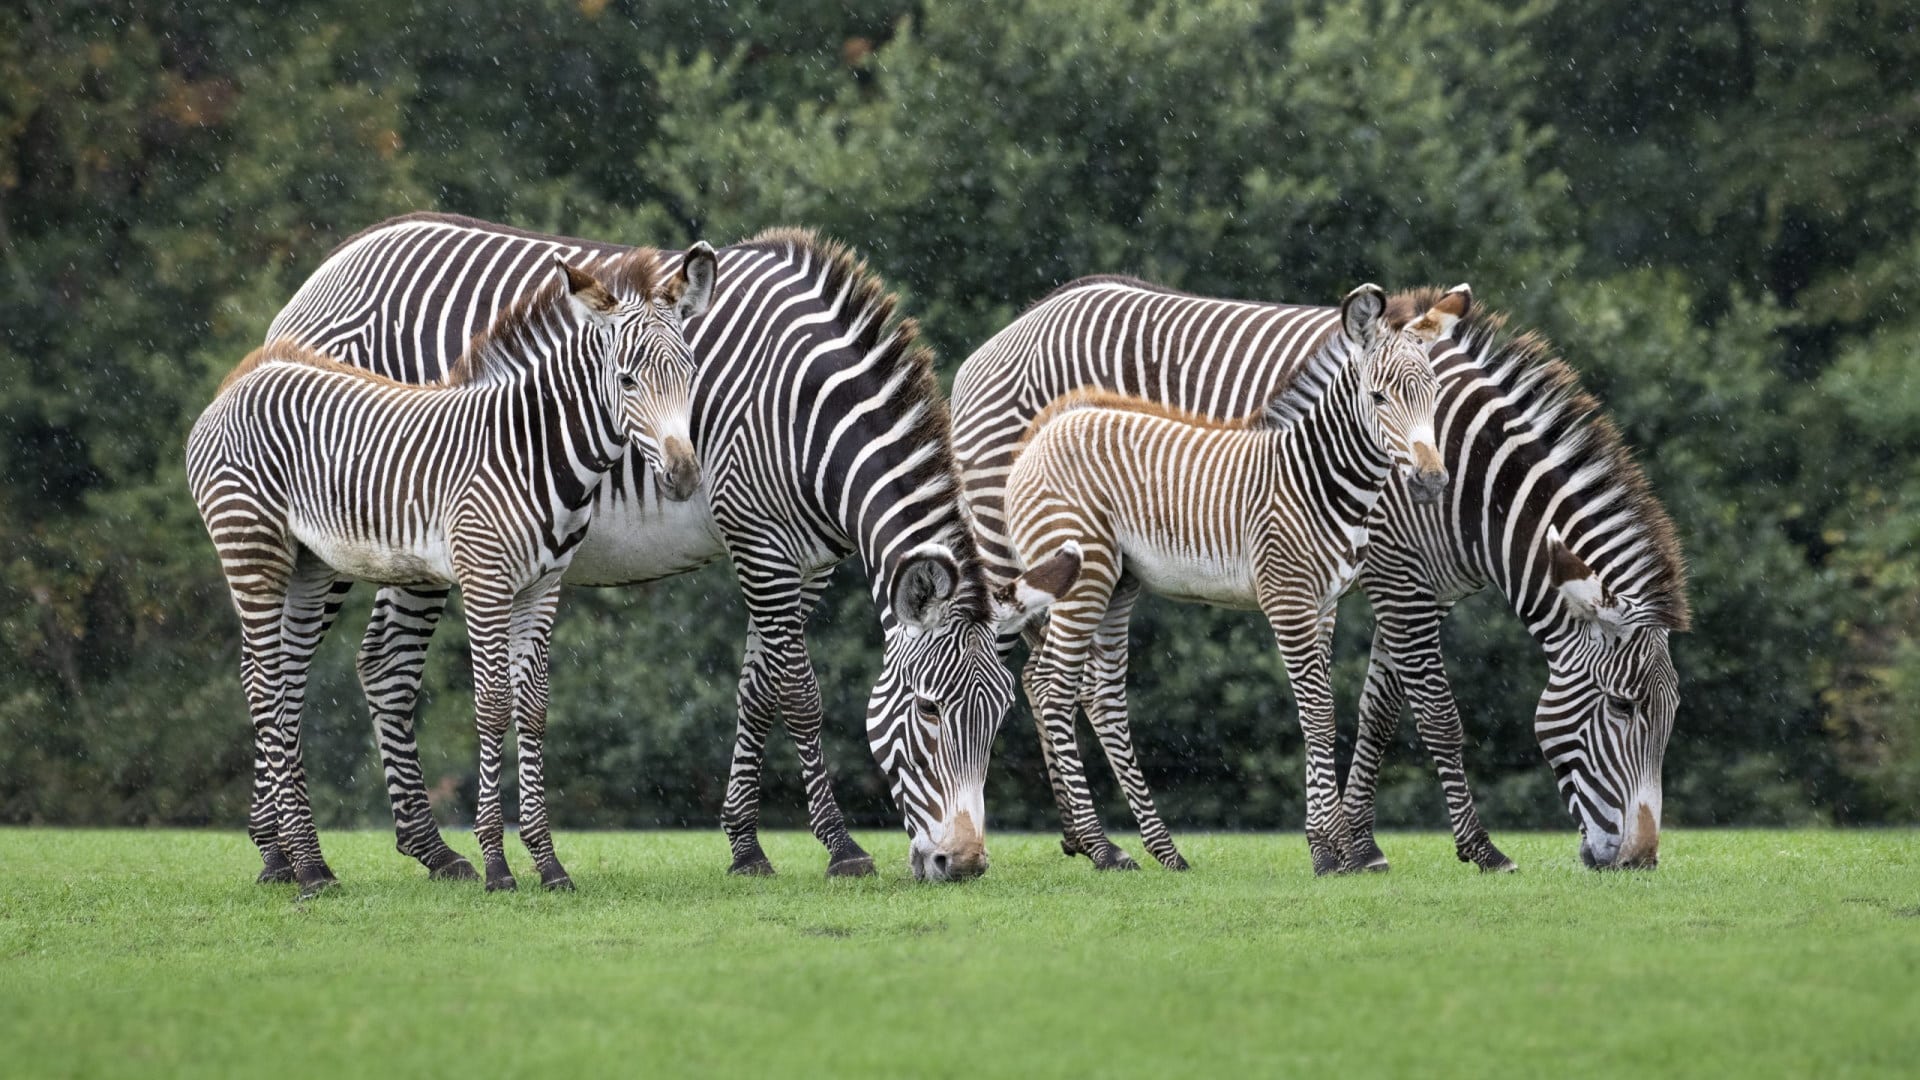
(1094, 397)
(1542, 393)
(904, 368)
(1309, 384)
(288, 351)
(500, 351)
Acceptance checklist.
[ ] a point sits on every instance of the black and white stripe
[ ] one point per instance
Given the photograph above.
(821, 434)
(310, 473)
(1546, 505)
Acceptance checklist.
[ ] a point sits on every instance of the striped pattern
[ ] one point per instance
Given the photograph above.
(1530, 462)
(309, 472)
(821, 433)
(1268, 513)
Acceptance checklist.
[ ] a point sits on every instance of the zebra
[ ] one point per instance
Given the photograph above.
(1266, 512)
(1547, 505)
(822, 434)
(308, 472)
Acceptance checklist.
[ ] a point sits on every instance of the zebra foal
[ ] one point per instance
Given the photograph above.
(1268, 512)
(308, 471)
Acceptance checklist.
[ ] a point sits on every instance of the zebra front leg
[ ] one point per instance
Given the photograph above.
(800, 708)
(1103, 697)
(308, 608)
(1380, 702)
(393, 656)
(489, 631)
(531, 649)
(1300, 629)
(1423, 675)
(757, 705)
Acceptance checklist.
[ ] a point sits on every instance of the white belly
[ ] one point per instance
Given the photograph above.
(1224, 579)
(420, 560)
(645, 539)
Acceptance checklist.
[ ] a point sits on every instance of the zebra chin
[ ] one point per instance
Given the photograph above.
(1637, 848)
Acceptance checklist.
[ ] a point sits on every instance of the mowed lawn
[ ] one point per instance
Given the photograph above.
(1746, 953)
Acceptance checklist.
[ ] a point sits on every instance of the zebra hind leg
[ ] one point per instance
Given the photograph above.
(1062, 802)
(755, 712)
(1103, 696)
(312, 602)
(393, 655)
(1063, 657)
(1381, 700)
(489, 629)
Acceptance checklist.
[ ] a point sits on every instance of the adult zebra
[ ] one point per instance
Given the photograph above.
(821, 434)
(1546, 504)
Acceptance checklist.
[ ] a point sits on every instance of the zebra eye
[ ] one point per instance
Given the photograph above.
(926, 708)
(626, 381)
(1619, 706)
(1379, 397)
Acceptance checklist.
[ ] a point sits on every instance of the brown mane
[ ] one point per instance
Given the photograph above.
(289, 351)
(1546, 394)
(498, 350)
(1093, 397)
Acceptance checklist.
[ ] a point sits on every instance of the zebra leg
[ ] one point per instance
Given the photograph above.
(1063, 658)
(1302, 634)
(531, 648)
(489, 631)
(1103, 696)
(311, 604)
(757, 707)
(1062, 798)
(393, 655)
(800, 707)
(1380, 703)
(1416, 660)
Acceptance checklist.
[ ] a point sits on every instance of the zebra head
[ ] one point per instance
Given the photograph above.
(937, 708)
(1605, 716)
(1397, 384)
(649, 379)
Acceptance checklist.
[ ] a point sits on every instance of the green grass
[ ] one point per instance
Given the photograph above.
(1746, 953)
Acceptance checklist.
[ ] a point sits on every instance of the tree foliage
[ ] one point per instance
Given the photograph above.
(1710, 207)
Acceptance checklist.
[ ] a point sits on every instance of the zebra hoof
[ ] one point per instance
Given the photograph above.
(503, 883)
(1365, 854)
(1070, 849)
(275, 875)
(860, 865)
(311, 889)
(1176, 862)
(1327, 864)
(1500, 864)
(752, 866)
(557, 882)
(458, 869)
(1114, 859)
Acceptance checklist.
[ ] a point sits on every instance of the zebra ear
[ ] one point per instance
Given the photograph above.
(922, 585)
(590, 300)
(1582, 590)
(692, 288)
(1363, 314)
(1024, 598)
(1441, 318)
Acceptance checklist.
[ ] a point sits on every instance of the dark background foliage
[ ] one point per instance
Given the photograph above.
(1710, 206)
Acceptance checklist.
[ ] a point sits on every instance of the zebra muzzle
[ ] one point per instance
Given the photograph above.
(1429, 479)
(679, 471)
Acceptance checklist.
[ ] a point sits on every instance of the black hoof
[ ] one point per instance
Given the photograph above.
(311, 889)
(1503, 866)
(1114, 859)
(1326, 864)
(556, 882)
(753, 866)
(1176, 862)
(1069, 848)
(503, 883)
(1366, 855)
(275, 875)
(860, 865)
(458, 869)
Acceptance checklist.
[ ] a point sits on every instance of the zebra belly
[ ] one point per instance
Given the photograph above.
(645, 538)
(1223, 580)
(422, 560)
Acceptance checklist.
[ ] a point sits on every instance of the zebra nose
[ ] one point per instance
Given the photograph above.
(680, 477)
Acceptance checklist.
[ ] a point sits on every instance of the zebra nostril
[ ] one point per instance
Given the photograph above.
(941, 861)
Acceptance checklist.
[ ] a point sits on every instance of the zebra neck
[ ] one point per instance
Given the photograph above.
(1328, 452)
(565, 430)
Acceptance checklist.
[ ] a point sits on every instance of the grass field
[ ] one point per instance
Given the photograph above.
(1746, 953)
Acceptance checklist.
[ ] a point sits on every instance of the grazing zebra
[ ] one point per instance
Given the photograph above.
(308, 471)
(1268, 512)
(821, 433)
(1546, 504)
